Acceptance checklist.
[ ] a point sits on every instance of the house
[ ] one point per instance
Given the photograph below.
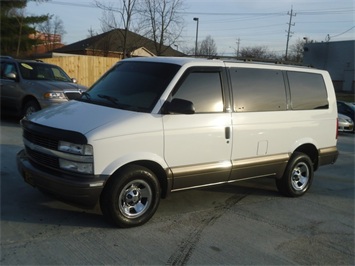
(46, 42)
(110, 44)
(335, 57)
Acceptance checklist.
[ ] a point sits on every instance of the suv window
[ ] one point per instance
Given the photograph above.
(8, 68)
(308, 91)
(203, 89)
(256, 90)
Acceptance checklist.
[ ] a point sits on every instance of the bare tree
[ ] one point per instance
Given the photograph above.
(109, 21)
(297, 49)
(208, 47)
(162, 21)
(257, 52)
(52, 30)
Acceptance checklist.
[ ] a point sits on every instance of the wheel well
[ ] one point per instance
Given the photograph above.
(157, 170)
(28, 98)
(312, 153)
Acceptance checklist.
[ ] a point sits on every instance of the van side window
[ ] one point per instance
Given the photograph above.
(204, 90)
(308, 91)
(257, 90)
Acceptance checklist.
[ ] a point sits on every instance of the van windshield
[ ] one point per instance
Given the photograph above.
(130, 85)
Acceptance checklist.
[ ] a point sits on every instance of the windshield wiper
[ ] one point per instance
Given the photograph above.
(109, 98)
(87, 95)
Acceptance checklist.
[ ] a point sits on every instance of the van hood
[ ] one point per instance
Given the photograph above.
(79, 116)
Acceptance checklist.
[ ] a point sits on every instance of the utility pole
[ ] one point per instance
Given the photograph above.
(289, 32)
(238, 43)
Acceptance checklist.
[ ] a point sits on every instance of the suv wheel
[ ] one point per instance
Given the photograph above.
(30, 107)
(131, 196)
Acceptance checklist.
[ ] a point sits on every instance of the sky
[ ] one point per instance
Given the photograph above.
(232, 24)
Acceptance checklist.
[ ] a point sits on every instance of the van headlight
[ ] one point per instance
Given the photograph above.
(79, 157)
(81, 149)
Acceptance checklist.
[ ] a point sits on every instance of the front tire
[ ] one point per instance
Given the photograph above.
(30, 107)
(131, 197)
(298, 176)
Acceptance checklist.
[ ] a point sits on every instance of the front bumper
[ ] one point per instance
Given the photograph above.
(82, 190)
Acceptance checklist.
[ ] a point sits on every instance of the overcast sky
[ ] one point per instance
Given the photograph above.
(229, 22)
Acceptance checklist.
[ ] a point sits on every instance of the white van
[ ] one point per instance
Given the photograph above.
(151, 126)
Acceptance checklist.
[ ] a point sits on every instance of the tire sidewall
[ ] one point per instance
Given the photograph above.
(285, 183)
(110, 198)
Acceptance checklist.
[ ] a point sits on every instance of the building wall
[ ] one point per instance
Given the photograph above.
(335, 57)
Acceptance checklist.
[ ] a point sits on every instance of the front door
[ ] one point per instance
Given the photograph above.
(198, 146)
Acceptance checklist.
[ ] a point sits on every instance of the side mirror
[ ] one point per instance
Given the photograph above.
(11, 75)
(180, 106)
(74, 80)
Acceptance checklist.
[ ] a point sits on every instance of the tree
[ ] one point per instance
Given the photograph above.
(162, 21)
(297, 49)
(52, 29)
(109, 21)
(257, 52)
(208, 47)
(16, 27)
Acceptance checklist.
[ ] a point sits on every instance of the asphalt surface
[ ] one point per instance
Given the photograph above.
(247, 223)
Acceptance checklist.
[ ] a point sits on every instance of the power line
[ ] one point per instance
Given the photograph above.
(342, 33)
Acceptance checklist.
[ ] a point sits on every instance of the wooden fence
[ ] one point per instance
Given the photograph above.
(86, 69)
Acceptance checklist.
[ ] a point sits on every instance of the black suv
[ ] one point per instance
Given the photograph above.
(27, 86)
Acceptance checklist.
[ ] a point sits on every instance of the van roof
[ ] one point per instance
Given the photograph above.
(192, 60)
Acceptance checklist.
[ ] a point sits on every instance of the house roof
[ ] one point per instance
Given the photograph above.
(112, 41)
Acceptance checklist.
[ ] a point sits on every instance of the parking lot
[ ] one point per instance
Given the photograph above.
(243, 223)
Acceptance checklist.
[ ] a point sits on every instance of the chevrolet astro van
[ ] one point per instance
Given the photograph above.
(151, 126)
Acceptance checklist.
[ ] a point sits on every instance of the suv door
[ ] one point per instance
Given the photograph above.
(9, 87)
(198, 146)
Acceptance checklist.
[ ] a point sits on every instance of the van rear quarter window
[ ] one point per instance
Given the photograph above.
(308, 91)
(257, 90)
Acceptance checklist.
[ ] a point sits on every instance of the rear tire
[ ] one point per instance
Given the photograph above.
(298, 176)
(131, 197)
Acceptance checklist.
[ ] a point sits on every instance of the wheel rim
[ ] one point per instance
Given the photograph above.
(30, 110)
(135, 199)
(300, 176)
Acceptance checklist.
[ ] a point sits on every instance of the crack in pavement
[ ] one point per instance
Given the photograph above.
(185, 249)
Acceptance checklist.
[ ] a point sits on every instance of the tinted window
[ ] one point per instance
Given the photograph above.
(135, 86)
(204, 90)
(307, 91)
(258, 90)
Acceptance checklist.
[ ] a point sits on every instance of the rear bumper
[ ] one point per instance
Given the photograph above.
(82, 190)
(327, 156)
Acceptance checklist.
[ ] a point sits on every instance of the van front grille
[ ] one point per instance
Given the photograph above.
(43, 159)
(40, 140)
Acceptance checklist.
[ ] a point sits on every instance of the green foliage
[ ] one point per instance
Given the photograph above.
(16, 27)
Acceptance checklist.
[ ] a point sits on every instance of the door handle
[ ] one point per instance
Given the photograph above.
(227, 132)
